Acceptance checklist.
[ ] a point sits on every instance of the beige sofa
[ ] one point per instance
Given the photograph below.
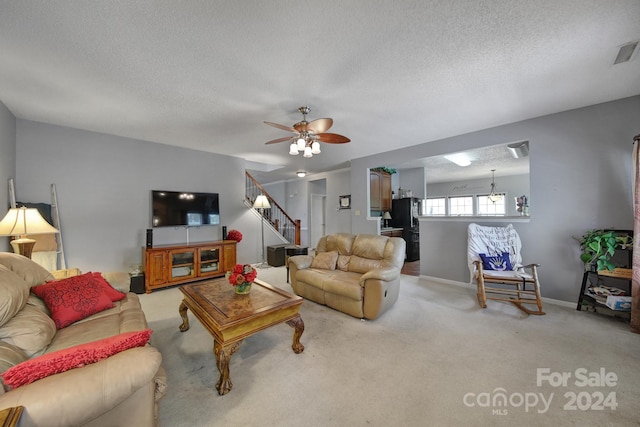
(122, 389)
(356, 274)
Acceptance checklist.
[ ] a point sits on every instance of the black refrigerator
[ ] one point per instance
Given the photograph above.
(404, 214)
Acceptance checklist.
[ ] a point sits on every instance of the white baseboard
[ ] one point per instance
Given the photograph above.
(561, 303)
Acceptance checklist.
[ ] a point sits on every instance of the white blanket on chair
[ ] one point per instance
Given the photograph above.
(493, 241)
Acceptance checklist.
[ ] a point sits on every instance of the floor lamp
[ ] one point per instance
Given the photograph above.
(23, 221)
(262, 203)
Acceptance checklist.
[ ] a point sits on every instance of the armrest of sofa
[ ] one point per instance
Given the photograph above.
(385, 274)
(120, 280)
(80, 395)
(381, 290)
(301, 261)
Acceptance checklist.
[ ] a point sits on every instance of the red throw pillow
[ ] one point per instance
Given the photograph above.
(72, 357)
(73, 298)
(113, 293)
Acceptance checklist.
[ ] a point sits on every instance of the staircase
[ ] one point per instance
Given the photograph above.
(276, 216)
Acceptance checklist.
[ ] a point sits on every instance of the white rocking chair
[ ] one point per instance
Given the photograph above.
(500, 247)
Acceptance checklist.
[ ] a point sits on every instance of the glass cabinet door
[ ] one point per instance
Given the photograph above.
(183, 264)
(209, 261)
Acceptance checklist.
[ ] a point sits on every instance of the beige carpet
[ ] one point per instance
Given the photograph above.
(434, 359)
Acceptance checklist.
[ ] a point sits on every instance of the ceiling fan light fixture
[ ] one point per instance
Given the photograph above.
(308, 135)
(307, 152)
(315, 147)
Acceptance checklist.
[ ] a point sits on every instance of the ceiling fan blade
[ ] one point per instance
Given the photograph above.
(283, 127)
(320, 125)
(332, 138)
(274, 141)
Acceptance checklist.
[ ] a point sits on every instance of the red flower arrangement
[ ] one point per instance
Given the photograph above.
(242, 273)
(234, 235)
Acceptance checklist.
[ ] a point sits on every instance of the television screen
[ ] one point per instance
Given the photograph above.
(181, 208)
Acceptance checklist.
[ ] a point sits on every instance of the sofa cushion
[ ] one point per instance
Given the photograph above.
(30, 329)
(14, 292)
(369, 246)
(30, 271)
(362, 265)
(125, 316)
(344, 284)
(119, 280)
(340, 242)
(116, 280)
(73, 298)
(343, 262)
(313, 277)
(36, 302)
(325, 260)
(73, 357)
(112, 293)
(10, 355)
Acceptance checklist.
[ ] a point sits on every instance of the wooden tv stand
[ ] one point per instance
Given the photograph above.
(176, 264)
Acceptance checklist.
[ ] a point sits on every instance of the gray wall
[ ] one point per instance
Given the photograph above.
(338, 184)
(7, 162)
(412, 179)
(104, 183)
(580, 178)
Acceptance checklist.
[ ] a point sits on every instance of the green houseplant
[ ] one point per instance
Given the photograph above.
(598, 246)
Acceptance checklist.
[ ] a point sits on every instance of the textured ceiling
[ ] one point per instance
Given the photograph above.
(206, 74)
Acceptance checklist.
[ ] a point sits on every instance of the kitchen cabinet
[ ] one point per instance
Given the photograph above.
(380, 191)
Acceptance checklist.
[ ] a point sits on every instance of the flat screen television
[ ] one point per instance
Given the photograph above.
(182, 208)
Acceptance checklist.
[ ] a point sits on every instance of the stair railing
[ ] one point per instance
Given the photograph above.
(276, 216)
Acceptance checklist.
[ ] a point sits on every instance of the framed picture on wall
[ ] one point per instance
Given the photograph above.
(345, 202)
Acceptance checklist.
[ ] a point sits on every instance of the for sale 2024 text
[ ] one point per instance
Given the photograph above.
(583, 400)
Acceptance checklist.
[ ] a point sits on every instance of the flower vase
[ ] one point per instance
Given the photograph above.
(243, 288)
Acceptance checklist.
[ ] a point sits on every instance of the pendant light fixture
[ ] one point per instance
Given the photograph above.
(493, 196)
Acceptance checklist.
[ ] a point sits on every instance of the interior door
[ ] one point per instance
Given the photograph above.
(317, 219)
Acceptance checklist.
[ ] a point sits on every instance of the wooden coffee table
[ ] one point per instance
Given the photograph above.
(231, 318)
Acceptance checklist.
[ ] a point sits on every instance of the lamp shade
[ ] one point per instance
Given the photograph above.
(315, 147)
(261, 202)
(386, 215)
(21, 221)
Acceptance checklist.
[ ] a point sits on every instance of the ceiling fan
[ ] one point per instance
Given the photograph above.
(308, 135)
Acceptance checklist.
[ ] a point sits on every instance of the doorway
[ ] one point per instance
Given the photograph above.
(317, 214)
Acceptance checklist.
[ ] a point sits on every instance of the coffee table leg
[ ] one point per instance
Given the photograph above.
(185, 320)
(298, 325)
(223, 356)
